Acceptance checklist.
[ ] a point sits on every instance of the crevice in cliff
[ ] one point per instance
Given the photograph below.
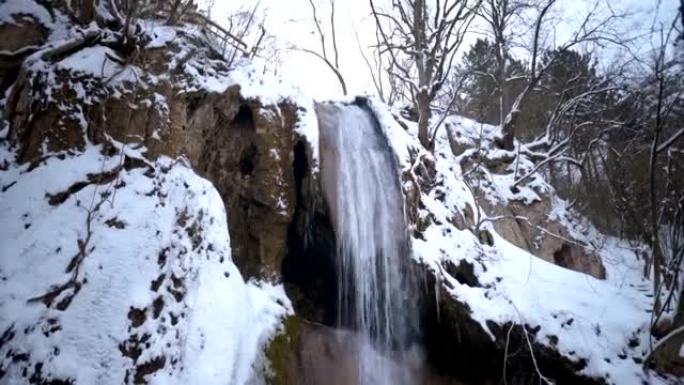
(309, 270)
(248, 160)
(244, 119)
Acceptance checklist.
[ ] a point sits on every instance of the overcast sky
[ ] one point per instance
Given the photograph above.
(290, 22)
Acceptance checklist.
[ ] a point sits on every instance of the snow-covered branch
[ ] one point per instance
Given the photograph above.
(421, 41)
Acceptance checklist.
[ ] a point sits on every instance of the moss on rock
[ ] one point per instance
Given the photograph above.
(281, 354)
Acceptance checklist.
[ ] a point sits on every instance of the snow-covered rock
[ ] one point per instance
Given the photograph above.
(121, 178)
(116, 271)
(116, 263)
(573, 322)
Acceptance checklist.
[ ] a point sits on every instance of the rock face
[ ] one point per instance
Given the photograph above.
(314, 354)
(458, 347)
(543, 236)
(245, 148)
(174, 99)
(18, 39)
(247, 151)
(462, 206)
(152, 283)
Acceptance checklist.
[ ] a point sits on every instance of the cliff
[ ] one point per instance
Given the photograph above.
(163, 222)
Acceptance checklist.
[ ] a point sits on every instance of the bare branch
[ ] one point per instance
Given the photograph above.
(334, 65)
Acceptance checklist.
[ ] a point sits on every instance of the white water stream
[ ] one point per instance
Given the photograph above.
(362, 188)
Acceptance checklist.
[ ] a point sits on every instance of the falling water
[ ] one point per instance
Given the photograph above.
(362, 188)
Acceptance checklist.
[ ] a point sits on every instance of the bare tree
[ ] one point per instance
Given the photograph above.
(641, 168)
(331, 60)
(664, 108)
(421, 41)
(179, 8)
(498, 16)
(241, 34)
(592, 29)
(389, 89)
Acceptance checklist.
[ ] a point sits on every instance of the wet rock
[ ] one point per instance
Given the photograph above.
(456, 141)
(306, 353)
(309, 354)
(463, 272)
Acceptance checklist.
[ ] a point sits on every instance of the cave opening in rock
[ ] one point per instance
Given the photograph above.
(309, 271)
(244, 119)
(248, 159)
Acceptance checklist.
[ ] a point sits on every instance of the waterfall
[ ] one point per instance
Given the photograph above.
(361, 186)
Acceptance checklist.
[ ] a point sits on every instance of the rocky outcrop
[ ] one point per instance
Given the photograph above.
(311, 354)
(17, 40)
(458, 343)
(530, 227)
(246, 149)
(457, 346)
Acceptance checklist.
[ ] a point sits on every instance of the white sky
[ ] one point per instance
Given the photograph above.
(290, 21)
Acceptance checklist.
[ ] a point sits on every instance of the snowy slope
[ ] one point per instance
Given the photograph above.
(114, 269)
(603, 323)
(156, 295)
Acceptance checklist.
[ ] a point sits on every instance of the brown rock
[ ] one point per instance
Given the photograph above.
(314, 354)
(574, 258)
(17, 39)
(244, 148)
(553, 244)
(23, 33)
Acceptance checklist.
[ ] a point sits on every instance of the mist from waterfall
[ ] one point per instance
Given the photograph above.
(361, 185)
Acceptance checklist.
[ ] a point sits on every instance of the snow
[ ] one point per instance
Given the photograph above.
(542, 294)
(162, 35)
(97, 61)
(100, 74)
(400, 140)
(254, 84)
(216, 331)
(213, 332)
(591, 319)
(13, 10)
(20, 12)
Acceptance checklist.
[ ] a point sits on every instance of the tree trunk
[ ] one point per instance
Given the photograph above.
(508, 126)
(508, 129)
(85, 10)
(655, 228)
(173, 14)
(424, 114)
